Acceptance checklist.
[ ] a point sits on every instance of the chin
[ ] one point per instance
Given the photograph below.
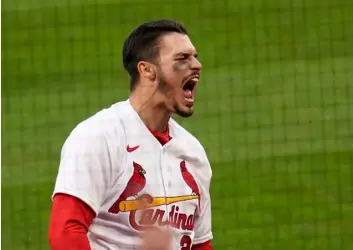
(184, 111)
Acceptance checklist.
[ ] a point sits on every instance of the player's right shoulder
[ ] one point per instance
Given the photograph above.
(104, 125)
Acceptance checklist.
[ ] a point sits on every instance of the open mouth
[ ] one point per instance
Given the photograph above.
(189, 88)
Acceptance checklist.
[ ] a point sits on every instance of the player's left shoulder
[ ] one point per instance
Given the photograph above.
(181, 133)
(192, 145)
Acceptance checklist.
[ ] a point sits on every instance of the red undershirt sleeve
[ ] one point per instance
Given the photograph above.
(203, 246)
(69, 222)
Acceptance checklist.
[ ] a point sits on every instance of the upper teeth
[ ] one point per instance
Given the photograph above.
(194, 79)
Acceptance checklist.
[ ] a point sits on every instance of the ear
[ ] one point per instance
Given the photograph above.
(147, 70)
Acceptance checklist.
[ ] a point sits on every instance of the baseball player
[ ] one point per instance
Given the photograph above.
(130, 177)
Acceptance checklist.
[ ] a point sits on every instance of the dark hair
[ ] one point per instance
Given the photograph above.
(142, 44)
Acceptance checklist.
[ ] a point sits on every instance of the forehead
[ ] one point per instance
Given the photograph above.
(175, 43)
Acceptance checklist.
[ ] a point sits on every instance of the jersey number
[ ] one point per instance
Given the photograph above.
(185, 243)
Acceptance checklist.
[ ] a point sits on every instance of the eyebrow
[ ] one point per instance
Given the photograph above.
(185, 54)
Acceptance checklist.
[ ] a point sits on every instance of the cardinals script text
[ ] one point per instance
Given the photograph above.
(150, 217)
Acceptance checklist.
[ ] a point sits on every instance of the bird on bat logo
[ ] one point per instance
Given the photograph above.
(189, 180)
(135, 185)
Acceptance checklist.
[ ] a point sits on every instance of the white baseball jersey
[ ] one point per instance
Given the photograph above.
(111, 159)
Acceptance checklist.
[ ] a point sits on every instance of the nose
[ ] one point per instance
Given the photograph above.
(196, 65)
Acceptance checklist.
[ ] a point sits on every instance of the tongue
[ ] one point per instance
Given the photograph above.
(188, 93)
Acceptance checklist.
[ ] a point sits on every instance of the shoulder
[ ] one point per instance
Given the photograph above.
(192, 144)
(101, 127)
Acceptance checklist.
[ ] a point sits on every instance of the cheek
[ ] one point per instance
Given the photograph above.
(180, 66)
(173, 78)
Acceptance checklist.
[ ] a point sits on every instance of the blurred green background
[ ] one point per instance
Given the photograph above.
(274, 110)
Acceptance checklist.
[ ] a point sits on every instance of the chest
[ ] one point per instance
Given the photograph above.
(160, 172)
(157, 186)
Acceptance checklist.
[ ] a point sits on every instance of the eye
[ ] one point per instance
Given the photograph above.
(185, 56)
(182, 58)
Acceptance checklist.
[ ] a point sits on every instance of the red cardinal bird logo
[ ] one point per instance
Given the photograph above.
(190, 181)
(135, 185)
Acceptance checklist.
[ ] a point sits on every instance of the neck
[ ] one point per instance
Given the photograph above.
(151, 109)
